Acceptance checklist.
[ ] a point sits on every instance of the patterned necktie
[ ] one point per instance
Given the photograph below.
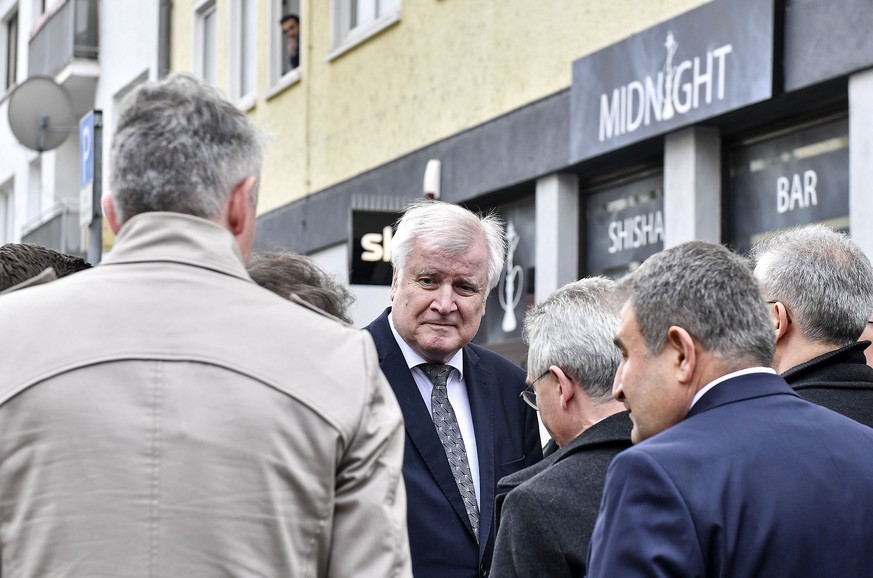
(446, 425)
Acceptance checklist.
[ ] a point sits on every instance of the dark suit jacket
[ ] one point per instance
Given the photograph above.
(507, 436)
(840, 380)
(547, 518)
(755, 481)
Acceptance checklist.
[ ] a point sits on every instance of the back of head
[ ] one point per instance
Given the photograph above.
(22, 261)
(180, 146)
(708, 291)
(822, 277)
(574, 330)
(450, 230)
(287, 274)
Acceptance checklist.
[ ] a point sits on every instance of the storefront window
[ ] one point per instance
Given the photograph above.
(504, 311)
(624, 224)
(791, 179)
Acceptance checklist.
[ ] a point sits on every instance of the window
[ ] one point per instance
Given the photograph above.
(34, 190)
(244, 51)
(10, 51)
(357, 20)
(281, 73)
(205, 29)
(7, 212)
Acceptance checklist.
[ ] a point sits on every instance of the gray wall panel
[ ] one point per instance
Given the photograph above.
(825, 39)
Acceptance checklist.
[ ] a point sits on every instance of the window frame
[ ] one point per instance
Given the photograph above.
(276, 80)
(344, 36)
(243, 51)
(11, 37)
(202, 10)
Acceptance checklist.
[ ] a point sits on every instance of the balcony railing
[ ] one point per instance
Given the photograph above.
(69, 31)
(57, 228)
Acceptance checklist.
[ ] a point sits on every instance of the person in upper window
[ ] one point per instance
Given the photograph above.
(291, 28)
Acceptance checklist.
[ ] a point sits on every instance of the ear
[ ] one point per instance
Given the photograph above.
(240, 216)
(239, 206)
(781, 320)
(566, 386)
(110, 214)
(681, 344)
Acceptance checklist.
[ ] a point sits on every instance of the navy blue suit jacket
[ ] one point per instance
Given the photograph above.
(755, 481)
(507, 436)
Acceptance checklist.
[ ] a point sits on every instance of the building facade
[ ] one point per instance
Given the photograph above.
(97, 52)
(602, 132)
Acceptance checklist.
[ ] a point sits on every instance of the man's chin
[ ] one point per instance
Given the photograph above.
(439, 351)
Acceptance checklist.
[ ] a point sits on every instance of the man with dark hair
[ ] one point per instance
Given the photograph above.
(819, 287)
(176, 419)
(546, 520)
(466, 426)
(290, 24)
(288, 274)
(733, 473)
(20, 262)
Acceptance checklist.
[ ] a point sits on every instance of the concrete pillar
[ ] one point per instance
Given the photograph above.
(692, 186)
(861, 159)
(557, 227)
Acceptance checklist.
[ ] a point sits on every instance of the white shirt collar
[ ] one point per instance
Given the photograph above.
(413, 359)
(715, 382)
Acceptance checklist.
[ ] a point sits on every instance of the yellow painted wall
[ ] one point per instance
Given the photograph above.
(446, 66)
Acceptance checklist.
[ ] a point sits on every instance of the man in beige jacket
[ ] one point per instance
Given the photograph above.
(162, 415)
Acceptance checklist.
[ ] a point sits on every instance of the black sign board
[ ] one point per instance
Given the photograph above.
(705, 62)
(371, 247)
(624, 224)
(795, 179)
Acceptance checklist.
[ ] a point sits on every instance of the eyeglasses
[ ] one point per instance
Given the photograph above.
(529, 395)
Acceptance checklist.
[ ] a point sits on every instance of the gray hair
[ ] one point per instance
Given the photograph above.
(708, 291)
(180, 146)
(824, 279)
(450, 230)
(574, 329)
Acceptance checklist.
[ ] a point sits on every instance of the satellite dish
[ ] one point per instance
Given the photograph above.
(41, 113)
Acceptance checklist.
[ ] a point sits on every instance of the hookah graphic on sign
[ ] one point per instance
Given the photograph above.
(511, 286)
(669, 73)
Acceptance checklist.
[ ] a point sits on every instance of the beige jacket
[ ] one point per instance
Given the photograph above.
(161, 415)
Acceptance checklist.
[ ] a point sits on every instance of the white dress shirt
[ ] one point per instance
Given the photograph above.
(457, 391)
(738, 373)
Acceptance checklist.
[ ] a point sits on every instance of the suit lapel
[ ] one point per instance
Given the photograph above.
(480, 391)
(419, 423)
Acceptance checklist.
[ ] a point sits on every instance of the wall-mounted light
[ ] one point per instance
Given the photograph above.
(432, 179)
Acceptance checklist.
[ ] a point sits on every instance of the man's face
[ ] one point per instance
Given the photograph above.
(439, 301)
(291, 28)
(549, 407)
(645, 383)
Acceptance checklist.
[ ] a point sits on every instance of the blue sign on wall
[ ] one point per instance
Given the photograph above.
(86, 149)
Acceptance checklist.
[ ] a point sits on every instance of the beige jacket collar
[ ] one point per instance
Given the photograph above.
(179, 238)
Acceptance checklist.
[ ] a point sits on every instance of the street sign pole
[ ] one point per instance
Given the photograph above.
(91, 181)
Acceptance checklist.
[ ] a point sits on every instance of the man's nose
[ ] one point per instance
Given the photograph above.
(444, 300)
(617, 389)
